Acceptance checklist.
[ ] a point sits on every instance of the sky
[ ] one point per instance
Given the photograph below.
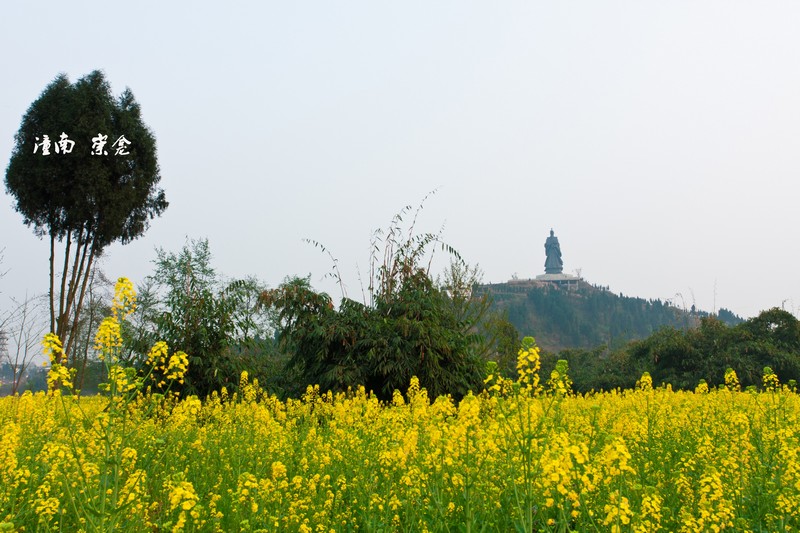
(659, 140)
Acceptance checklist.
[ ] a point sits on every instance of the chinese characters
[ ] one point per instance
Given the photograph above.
(65, 145)
(122, 143)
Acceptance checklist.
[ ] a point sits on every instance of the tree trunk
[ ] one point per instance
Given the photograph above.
(77, 272)
(91, 252)
(62, 312)
(73, 278)
(52, 283)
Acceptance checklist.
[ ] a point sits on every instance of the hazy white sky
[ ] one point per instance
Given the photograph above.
(660, 140)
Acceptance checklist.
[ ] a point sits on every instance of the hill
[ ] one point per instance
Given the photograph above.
(582, 315)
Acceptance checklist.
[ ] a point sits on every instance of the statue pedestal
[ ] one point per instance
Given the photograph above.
(562, 280)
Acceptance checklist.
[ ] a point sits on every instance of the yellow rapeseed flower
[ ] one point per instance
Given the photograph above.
(732, 380)
(59, 375)
(645, 383)
(528, 365)
(178, 366)
(108, 338)
(124, 302)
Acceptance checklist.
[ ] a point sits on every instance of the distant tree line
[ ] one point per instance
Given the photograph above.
(683, 357)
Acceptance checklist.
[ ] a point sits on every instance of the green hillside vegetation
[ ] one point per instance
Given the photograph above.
(587, 316)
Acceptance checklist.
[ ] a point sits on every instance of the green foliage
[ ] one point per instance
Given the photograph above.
(672, 355)
(685, 357)
(503, 339)
(411, 326)
(89, 201)
(499, 339)
(188, 306)
(381, 347)
(682, 358)
(596, 369)
(728, 317)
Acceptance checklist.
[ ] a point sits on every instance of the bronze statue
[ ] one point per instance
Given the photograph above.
(553, 264)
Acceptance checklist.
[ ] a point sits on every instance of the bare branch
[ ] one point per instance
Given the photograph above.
(27, 324)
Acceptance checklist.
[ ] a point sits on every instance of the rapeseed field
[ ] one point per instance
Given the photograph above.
(523, 455)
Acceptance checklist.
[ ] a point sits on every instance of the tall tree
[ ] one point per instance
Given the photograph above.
(83, 172)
